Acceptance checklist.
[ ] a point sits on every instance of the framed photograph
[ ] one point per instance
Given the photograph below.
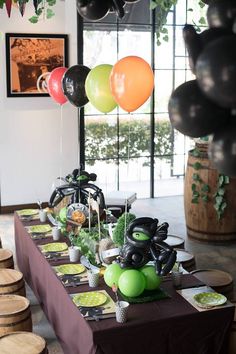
(29, 59)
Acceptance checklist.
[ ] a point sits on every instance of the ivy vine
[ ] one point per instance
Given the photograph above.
(201, 190)
(220, 199)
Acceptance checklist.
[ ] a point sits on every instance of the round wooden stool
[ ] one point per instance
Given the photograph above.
(186, 259)
(22, 343)
(221, 282)
(11, 282)
(6, 259)
(232, 336)
(175, 241)
(15, 314)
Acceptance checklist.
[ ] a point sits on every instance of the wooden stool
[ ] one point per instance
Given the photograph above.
(6, 259)
(175, 241)
(232, 336)
(15, 314)
(218, 280)
(11, 282)
(22, 343)
(186, 259)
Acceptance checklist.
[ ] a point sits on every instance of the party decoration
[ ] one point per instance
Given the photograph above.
(132, 283)
(22, 5)
(221, 13)
(216, 71)
(152, 280)
(36, 3)
(195, 42)
(97, 88)
(8, 4)
(73, 85)
(195, 116)
(222, 150)
(78, 187)
(132, 82)
(139, 250)
(112, 274)
(54, 85)
(93, 10)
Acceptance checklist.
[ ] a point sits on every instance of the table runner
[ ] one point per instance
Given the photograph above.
(169, 326)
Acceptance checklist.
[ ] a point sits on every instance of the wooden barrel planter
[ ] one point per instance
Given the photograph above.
(15, 314)
(220, 281)
(11, 282)
(201, 217)
(232, 336)
(186, 259)
(6, 259)
(175, 241)
(22, 343)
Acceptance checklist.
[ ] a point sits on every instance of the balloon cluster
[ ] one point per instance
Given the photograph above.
(207, 105)
(129, 83)
(94, 10)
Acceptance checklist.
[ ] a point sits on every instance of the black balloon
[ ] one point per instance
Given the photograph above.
(73, 85)
(221, 13)
(193, 114)
(93, 10)
(216, 71)
(211, 34)
(222, 150)
(193, 45)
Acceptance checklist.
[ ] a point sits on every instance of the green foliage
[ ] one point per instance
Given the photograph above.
(220, 199)
(43, 11)
(101, 140)
(120, 230)
(87, 241)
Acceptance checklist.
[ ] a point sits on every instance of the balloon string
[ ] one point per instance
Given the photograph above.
(128, 162)
(61, 145)
(78, 157)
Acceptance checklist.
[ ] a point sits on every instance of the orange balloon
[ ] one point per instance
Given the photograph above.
(132, 82)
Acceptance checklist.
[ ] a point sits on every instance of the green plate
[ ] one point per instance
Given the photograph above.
(70, 269)
(208, 300)
(40, 229)
(27, 212)
(90, 299)
(55, 247)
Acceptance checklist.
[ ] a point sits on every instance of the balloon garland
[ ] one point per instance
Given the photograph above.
(207, 105)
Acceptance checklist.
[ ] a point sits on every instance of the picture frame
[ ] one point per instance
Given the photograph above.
(29, 60)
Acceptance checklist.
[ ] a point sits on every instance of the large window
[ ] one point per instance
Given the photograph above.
(139, 151)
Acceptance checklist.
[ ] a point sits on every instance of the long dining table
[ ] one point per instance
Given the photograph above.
(168, 326)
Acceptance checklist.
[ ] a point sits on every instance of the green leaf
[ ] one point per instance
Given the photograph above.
(202, 21)
(205, 198)
(226, 179)
(194, 186)
(164, 30)
(196, 177)
(50, 13)
(153, 5)
(51, 2)
(221, 191)
(217, 207)
(196, 152)
(194, 200)
(196, 194)
(190, 9)
(221, 180)
(166, 38)
(197, 165)
(205, 188)
(34, 19)
(219, 200)
(2, 3)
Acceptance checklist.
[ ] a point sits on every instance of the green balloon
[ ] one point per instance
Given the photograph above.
(152, 279)
(112, 274)
(132, 283)
(97, 88)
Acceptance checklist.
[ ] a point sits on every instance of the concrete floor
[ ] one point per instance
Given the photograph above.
(168, 209)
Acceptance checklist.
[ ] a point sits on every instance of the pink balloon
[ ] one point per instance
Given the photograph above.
(54, 85)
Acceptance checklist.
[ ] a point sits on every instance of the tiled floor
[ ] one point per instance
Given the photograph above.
(168, 209)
